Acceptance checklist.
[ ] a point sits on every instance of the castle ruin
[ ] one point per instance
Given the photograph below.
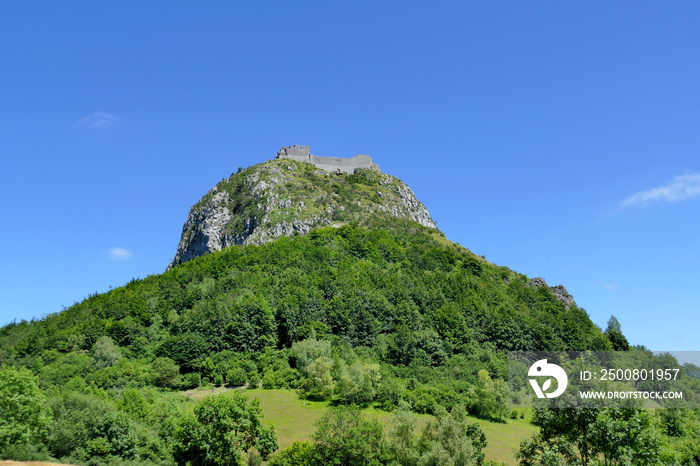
(337, 165)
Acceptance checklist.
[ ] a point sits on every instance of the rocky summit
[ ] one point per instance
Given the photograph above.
(292, 195)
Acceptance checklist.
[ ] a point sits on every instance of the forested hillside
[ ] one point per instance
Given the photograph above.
(364, 316)
(351, 285)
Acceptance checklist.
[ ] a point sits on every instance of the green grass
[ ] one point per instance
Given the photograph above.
(295, 418)
(504, 439)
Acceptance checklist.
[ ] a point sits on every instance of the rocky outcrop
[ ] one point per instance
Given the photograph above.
(286, 197)
(558, 291)
(562, 295)
(204, 230)
(405, 203)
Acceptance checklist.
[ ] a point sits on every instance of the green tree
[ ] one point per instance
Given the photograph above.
(344, 438)
(236, 377)
(615, 336)
(165, 373)
(115, 436)
(618, 435)
(451, 441)
(307, 351)
(402, 345)
(319, 382)
(618, 341)
(76, 418)
(359, 382)
(191, 380)
(490, 396)
(105, 353)
(135, 403)
(403, 425)
(221, 430)
(626, 436)
(253, 326)
(674, 420)
(297, 454)
(613, 325)
(185, 349)
(25, 418)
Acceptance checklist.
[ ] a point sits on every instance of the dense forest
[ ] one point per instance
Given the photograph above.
(398, 318)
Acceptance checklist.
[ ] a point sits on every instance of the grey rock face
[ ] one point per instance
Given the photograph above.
(204, 230)
(405, 203)
(562, 295)
(536, 282)
(558, 291)
(283, 198)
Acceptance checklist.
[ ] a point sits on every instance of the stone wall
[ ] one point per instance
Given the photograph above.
(329, 164)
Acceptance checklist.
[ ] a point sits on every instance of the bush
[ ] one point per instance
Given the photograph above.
(296, 454)
(166, 373)
(269, 379)
(105, 353)
(253, 379)
(24, 452)
(191, 380)
(343, 436)
(254, 458)
(76, 418)
(236, 377)
(286, 378)
(221, 429)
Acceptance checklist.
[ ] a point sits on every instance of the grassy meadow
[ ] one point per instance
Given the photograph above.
(295, 418)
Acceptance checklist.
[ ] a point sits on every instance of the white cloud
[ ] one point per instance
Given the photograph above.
(611, 286)
(119, 254)
(98, 120)
(681, 188)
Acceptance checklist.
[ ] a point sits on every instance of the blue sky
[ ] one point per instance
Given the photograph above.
(559, 139)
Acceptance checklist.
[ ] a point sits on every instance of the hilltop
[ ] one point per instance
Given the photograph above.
(293, 194)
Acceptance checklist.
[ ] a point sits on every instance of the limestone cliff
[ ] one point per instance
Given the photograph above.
(558, 291)
(284, 197)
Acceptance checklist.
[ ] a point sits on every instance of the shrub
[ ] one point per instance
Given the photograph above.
(236, 377)
(253, 379)
(191, 380)
(165, 373)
